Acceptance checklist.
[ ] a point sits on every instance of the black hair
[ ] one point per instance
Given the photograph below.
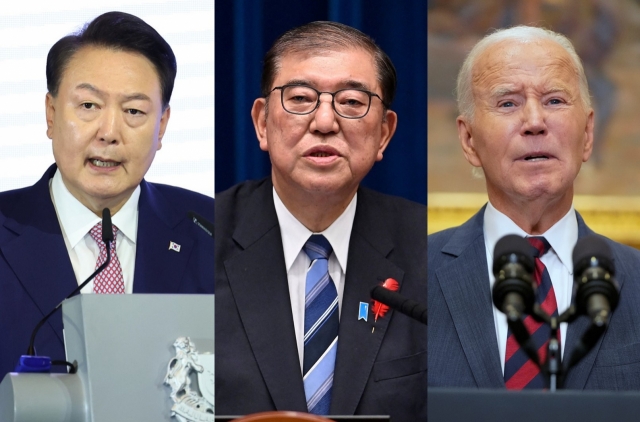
(118, 31)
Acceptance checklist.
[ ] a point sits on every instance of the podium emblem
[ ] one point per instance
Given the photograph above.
(191, 404)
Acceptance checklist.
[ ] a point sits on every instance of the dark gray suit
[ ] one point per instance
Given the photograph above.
(463, 349)
(257, 364)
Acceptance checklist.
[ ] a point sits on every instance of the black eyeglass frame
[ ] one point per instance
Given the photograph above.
(333, 98)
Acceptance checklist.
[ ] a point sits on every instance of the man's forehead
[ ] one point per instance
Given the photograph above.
(291, 61)
(91, 55)
(87, 70)
(500, 63)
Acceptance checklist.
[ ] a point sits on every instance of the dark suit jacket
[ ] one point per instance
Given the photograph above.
(257, 365)
(36, 272)
(463, 349)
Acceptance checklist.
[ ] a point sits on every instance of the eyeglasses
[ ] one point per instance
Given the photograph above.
(349, 103)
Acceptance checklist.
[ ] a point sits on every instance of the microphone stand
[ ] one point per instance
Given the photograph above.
(554, 369)
(107, 237)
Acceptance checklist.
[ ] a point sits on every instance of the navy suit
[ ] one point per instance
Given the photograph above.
(257, 364)
(36, 272)
(463, 349)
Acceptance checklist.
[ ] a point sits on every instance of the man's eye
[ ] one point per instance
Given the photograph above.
(555, 101)
(134, 111)
(507, 104)
(352, 102)
(88, 106)
(301, 99)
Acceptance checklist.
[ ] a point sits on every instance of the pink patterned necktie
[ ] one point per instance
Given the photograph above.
(110, 280)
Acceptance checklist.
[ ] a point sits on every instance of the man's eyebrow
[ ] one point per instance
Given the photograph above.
(347, 83)
(508, 90)
(137, 96)
(555, 89)
(91, 88)
(503, 90)
(102, 94)
(304, 82)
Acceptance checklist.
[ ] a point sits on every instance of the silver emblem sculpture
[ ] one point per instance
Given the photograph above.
(189, 405)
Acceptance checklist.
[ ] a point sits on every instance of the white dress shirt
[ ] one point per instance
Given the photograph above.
(76, 220)
(294, 236)
(562, 237)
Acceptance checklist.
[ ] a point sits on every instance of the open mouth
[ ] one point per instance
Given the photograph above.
(536, 157)
(321, 154)
(101, 163)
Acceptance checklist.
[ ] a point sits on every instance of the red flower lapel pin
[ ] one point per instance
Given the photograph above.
(379, 309)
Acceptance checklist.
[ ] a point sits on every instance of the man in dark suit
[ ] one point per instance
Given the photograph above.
(324, 119)
(107, 109)
(526, 120)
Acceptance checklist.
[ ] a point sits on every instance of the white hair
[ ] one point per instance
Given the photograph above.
(520, 33)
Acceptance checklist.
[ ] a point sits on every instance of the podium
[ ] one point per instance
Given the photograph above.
(449, 405)
(133, 352)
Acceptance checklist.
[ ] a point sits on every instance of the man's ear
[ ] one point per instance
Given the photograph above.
(259, 117)
(588, 134)
(50, 113)
(465, 135)
(389, 125)
(163, 125)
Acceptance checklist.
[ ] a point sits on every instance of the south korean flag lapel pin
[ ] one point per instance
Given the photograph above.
(173, 246)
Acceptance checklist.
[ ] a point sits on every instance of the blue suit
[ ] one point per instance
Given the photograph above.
(463, 349)
(36, 272)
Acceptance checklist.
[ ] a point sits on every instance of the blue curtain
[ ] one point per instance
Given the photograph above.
(245, 30)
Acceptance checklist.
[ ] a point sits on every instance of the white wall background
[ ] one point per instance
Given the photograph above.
(29, 28)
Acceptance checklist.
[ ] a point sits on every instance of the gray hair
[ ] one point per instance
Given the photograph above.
(520, 33)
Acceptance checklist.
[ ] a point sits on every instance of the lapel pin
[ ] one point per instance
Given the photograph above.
(380, 309)
(363, 312)
(173, 246)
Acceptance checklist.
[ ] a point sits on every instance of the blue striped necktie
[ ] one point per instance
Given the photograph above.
(321, 321)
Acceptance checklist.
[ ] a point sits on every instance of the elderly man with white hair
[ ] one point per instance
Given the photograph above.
(526, 121)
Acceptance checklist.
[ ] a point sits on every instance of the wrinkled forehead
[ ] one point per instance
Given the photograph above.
(293, 56)
(504, 60)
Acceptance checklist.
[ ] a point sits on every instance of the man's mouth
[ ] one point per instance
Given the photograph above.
(321, 154)
(101, 163)
(536, 157)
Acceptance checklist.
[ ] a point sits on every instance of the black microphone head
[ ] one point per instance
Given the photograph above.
(592, 251)
(512, 266)
(512, 248)
(107, 228)
(595, 287)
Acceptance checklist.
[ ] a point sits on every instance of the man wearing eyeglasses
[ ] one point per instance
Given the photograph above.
(299, 252)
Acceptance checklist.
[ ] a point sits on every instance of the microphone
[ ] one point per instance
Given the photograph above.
(201, 222)
(30, 362)
(513, 290)
(597, 291)
(396, 301)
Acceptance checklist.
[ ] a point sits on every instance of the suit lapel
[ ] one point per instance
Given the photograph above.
(466, 290)
(258, 280)
(159, 269)
(38, 255)
(358, 346)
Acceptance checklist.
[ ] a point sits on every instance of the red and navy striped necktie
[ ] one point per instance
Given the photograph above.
(519, 371)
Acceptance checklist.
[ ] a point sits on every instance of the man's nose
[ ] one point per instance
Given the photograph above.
(324, 118)
(109, 129)
(533, 119)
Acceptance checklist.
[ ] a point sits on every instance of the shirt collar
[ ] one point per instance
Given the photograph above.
(77, 220)
(562, 236)
(295, 234)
